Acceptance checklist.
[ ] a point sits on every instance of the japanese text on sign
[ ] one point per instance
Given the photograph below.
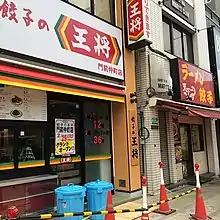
(65, 136)
(196, 85)
(134, 140)
(8, 11)
(138, 20)
(66, 28)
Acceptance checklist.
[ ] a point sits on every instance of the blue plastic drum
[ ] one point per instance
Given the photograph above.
(70, 198)
(97, 193)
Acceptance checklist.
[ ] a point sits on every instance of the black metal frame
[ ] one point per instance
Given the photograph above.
(173, 25)
(92, 6)
(46, 127)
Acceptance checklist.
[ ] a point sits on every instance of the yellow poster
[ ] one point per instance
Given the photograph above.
(65, 137)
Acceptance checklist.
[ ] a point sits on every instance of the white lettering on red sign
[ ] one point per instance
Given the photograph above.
(80, 39)
(134, 10)
(135, 23)
(102, 45)
(189, 92)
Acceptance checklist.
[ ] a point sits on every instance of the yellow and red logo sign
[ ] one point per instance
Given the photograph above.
(85, 40)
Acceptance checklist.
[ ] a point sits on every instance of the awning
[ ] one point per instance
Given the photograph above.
(189, 109)
(50, 81)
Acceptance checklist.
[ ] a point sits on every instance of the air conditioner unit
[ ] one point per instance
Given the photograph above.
(207, 1)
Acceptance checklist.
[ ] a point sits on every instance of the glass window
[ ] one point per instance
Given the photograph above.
(104, 9)
(197, 143)
(6, 146)
(97, 128)
(177, 43)
(97, 141)
(84, 4)
(30, 145)
(188, 47)
(166, 37)
(99, 169)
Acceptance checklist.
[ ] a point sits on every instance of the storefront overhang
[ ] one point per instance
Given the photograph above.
(191, 110)
(28, 77)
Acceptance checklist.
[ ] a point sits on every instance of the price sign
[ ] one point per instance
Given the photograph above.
(65, 137)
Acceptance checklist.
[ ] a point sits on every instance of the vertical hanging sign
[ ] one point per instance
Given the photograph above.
(138, 23)
(134, 138)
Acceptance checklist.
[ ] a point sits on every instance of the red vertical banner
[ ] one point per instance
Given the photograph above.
(138, 23)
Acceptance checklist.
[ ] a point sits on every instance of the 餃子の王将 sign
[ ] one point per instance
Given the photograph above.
(61, 33)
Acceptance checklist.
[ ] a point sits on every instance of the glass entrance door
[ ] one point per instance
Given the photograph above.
(66, 162)
(187, 155)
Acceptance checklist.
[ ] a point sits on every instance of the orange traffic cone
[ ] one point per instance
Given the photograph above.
(109, 207)
(164, 207)
(200, 211)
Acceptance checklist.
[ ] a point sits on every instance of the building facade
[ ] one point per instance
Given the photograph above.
(175, 93)
(66, 115)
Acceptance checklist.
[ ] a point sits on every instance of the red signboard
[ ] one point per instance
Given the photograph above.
(196, 85)
(138, 21)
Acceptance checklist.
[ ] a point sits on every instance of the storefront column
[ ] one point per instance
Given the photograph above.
(125, 127)
(152, 154)
(215, 147)
(201, 50)
(212, 150)
(170, 146)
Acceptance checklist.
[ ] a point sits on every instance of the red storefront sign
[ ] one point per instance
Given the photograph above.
(196, 85)
(82, 39)
(138, 21)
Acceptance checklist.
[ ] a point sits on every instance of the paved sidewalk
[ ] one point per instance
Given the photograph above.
(184, 205)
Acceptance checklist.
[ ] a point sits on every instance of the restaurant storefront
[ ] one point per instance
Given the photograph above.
(62, 100)
(191, 114)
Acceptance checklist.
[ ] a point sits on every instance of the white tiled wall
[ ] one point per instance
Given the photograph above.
(155, 147)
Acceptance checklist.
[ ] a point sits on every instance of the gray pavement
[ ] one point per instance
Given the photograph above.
(184, 206)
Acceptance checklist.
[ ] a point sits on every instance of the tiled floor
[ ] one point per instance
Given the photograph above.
(184, 206)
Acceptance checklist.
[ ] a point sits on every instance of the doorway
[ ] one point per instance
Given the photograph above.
(187, 152)
(92, 156)
(191, 136)
(62, 110)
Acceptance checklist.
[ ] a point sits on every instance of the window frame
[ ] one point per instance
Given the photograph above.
(183, 31)
(201, 140)
(92, 11)
(16, 126)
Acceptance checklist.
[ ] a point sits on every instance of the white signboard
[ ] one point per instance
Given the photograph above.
(161, 80)
(18, 103)
(65, 137)
(58, 32)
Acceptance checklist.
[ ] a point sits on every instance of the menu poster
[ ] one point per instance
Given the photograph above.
(65, 137)
(18, 103)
